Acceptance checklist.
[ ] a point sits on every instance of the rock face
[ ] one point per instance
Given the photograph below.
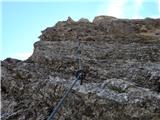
(121, 58)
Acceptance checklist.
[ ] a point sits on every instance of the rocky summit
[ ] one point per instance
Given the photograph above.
(121, 58)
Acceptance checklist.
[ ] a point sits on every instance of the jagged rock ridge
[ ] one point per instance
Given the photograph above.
(121, 58)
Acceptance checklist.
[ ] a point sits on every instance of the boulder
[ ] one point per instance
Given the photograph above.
(83, 20)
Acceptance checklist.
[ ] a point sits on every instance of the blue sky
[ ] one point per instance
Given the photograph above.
(23, 20)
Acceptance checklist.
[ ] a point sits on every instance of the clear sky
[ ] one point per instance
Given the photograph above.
(23, 20)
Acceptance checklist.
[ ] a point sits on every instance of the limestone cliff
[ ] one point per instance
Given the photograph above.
(120, 56)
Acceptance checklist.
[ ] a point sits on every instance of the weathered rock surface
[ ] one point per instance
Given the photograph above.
(121, 58)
